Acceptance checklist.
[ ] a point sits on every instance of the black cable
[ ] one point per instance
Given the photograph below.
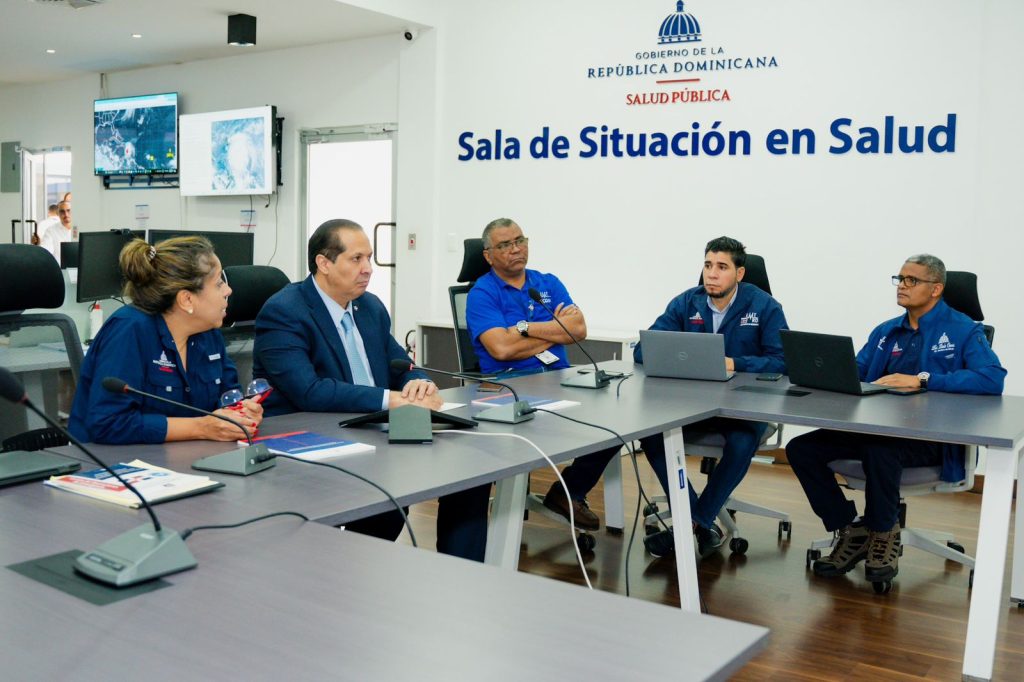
(639, 485)
(188, 531)
(252, 214)
(618, 386)
(277, 202)
(401, 511)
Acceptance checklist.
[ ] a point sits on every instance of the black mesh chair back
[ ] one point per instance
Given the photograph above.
(961, 293)
(31, 278)
(251, 286)
(474, 265)
(755, 273)
(468, 360)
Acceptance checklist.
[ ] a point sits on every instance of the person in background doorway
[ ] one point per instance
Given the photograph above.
(61, 231)
(45, 224)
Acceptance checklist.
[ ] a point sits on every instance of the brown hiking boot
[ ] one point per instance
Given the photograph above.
(883, 555)
(851, 546)
(556, 502)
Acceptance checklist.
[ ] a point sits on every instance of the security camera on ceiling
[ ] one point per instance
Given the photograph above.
(411, 34)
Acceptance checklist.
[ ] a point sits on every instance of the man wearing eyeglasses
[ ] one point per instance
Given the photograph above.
(930, 346)
(511, 332)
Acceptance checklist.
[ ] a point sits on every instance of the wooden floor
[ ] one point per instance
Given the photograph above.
(821, 629)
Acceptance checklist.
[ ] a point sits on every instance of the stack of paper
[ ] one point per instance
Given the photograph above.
(154, 483)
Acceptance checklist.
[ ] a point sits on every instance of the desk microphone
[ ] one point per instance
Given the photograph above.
(141, 554)
(514, 413)
(240, 461)
(599, 379)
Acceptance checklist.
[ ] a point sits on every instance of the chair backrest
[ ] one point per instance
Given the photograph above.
(35, 440)
(31, 278)
(961, 293)
(755, 273)
(468, 360)
(251, 286)
(474, 265)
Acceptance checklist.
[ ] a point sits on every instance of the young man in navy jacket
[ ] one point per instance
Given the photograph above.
(750, 321)
(930, 346)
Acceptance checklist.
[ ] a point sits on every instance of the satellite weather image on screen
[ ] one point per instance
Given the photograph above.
(136, 135)
(237, 153)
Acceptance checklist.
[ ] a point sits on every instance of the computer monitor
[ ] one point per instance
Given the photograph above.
(232, 248)
(68, 255)
(99, 272)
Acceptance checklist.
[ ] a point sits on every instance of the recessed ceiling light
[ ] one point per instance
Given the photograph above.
(51, 52)
(136, 35)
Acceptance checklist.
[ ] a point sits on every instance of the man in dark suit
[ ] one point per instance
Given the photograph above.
(326, 346)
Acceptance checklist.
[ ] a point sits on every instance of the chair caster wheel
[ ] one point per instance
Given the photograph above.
(787, 528)
(883, 587)
(956, 547)
(812, 556)
(738, 545)
(586, 541)
(650, 509)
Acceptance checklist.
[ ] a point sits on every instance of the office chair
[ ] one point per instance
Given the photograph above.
(961, 294)
(251, 286)
(475, 266)
(708, 446)
(30, 278)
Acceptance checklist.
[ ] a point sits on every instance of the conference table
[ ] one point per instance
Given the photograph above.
(285, 599)
(995, 423)
(640, 406)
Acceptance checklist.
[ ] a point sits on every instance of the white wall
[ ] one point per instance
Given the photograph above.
(627, 234)
(339, 84)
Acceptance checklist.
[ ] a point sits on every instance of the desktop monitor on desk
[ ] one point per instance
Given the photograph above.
(99, 271)
(232, 248)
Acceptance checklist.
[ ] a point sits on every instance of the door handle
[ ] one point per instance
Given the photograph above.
(376, 252)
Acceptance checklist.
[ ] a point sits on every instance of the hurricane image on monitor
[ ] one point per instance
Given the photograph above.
(238, 159)
(136, 135)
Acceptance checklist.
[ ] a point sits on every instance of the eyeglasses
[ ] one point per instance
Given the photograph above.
(224, 277)
(505, 246)
(910, 281)
(257, 388)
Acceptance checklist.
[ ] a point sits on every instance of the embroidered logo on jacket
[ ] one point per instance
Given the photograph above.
(881, 342)
(749, 320)
(163, 363)
(697, 319)
(896, 350)
(944, 345)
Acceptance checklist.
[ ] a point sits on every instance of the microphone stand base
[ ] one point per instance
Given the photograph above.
(596, 379)
(513, 413)
(241, 462)
(139, 555)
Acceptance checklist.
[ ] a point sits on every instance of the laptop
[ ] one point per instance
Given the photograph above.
(19, 466)
(684, 355)
(824, 361)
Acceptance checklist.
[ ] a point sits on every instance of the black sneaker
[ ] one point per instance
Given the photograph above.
(659, 544)
(708, 539)
(850, 548)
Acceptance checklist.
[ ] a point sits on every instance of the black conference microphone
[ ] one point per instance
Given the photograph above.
(599, 379)
(141, 554)
(241, 461)
(513, 413)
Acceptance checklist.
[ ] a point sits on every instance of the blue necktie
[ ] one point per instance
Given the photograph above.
(360, 375)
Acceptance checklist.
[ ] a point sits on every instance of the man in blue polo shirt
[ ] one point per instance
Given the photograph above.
(930, 346)
(511, 332)
(750, 321)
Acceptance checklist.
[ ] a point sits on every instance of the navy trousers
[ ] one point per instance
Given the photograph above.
(584, 472)
(461, 524)
(883, 459)
(741, 441)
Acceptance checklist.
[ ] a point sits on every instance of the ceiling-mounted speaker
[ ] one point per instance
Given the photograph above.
(241, 30)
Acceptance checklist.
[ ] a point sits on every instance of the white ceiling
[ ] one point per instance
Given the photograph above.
(97, 39)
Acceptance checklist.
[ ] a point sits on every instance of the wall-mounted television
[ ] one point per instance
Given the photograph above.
(136, 135)
(228, 152)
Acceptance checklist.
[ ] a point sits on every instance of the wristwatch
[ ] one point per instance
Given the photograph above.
(523, 327)
(923, 378)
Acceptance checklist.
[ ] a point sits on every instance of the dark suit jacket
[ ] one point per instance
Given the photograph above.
(299, 351)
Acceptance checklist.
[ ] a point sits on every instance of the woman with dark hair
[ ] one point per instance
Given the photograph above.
(164, 343)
